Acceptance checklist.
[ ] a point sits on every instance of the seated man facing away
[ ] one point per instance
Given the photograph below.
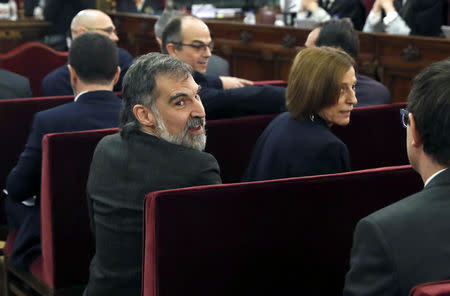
(407, 243)
(13, 86)
(340, 33)
(162, 135)
(403, 17)
(216, 65)
(57, 82)
(188, 38)
(93, 66)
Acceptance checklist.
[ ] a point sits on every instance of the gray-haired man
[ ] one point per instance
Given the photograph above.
(162, 135)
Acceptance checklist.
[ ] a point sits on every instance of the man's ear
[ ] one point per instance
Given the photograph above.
(171, 50)
(416, 138)
(145, 117)
(73, 75)
(117, 75)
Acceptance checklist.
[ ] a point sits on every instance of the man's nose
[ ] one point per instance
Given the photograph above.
(207, 51)
(113, 36)
(198, 110)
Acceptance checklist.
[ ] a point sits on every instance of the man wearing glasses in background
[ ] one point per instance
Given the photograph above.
(57, 82)
(408, 242)
(188, 38)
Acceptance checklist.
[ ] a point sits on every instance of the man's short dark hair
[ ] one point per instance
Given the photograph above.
(172, 34)
(163, 20)
(139, 85)
(339, 33)
(429, 102)
(94, 57)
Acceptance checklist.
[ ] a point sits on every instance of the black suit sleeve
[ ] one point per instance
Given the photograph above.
(210, 172)
(372, 271)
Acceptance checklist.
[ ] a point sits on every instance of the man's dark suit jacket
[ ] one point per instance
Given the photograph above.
(57, 82)
(352, 9)
(292, 148)
(370, 92)
(92, 110)
(13, 86)
(122, 172)
(423, 17)
(238, 102)
(404, 244)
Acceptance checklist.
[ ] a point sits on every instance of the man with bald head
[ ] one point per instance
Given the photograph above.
(57, 82)
(188, 38)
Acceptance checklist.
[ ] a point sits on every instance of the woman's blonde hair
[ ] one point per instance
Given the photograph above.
(315, 80)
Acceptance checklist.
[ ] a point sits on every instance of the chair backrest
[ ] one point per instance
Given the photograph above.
(231, 142)
(67, 244)
(375, 137)
(33, 60)
(368, 5)
(441, 288)
(16, 116)
(278, 237)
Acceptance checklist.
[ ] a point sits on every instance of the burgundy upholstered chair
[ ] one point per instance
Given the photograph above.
(375, 137)
(431, 289)
(231, 142)
(33, 60)
(16, 116)
(280, 237)
(368, 5)
(67, 244)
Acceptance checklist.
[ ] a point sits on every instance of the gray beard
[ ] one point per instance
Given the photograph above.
(184, 138)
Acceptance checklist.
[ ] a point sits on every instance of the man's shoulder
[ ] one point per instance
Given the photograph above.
(401, 211)
(58, 72)
(8, 75)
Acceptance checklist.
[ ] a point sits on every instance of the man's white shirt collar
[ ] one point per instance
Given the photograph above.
(80, 94)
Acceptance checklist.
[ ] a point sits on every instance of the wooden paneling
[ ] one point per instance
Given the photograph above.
(15, 33)
(264, 52)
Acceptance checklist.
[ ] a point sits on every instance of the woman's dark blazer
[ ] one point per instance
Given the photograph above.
(293, 148)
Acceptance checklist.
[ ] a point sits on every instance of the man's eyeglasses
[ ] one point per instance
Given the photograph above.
(404, 115)
(199, 46)
(108, 30)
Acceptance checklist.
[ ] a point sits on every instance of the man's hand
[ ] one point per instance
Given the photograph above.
(387, 5)
(234, 82)
(310, 5)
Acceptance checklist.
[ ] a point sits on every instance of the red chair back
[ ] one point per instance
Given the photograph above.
(33, 60)
(278, 237)
(67, 244)
(441, 288)
(368, 5)
(16, 116)
(375, 137)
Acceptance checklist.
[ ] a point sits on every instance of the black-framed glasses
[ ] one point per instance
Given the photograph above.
(404, 115)
(107, 30)
(199, 46)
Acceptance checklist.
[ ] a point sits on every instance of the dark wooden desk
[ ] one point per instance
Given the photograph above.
(263, 52)
(15, 33)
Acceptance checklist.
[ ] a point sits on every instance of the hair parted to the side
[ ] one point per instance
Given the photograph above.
(315, 80)
(94, 57)
(429, 102)
(139, 85)
(163, 20)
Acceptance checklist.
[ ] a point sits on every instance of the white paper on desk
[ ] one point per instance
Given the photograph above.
(203, 10)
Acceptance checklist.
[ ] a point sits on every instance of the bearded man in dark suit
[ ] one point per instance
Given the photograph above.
(160, 146)
(407, 243)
